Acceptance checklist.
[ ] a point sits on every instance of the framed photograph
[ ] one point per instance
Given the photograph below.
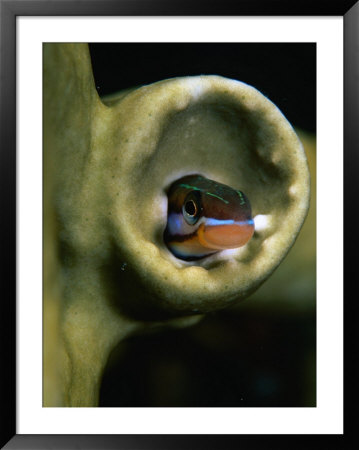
(162, 163)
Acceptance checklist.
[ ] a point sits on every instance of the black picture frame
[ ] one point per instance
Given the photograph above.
(10, 9)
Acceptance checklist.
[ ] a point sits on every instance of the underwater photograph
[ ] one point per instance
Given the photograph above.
(179, 210)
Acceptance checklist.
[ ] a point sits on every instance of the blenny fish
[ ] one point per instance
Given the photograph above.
(205, 217)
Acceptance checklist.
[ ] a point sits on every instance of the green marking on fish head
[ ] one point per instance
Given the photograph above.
(217, 196)
(242, 202)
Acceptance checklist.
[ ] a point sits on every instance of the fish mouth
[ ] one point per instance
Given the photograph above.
(221, 235)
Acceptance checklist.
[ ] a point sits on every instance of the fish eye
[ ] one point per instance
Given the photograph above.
(191, 208)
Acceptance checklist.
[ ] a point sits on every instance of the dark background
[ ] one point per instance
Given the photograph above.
(285, 73)
(242, 357)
